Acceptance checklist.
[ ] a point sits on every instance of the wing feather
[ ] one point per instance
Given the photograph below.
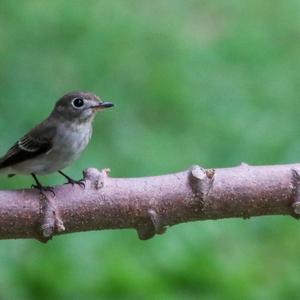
(37, 142)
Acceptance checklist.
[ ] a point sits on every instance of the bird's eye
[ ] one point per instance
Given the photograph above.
(78, 102)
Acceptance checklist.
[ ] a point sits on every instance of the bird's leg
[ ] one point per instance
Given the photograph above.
(72, 181)
(51, 221)
(40, 187)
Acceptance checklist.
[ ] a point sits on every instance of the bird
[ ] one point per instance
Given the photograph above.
(57, 141)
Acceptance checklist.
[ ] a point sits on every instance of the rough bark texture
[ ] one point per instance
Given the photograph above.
(151, 204)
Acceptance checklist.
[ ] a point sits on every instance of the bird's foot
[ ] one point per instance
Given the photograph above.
(80, 182)
(43, 189)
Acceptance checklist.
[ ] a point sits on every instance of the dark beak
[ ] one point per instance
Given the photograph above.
(106, 104)
(103, 105)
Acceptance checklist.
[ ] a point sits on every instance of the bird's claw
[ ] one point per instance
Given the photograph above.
(80, 182)
(44, 189)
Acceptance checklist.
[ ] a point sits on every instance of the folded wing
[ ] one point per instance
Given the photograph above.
(28, 147)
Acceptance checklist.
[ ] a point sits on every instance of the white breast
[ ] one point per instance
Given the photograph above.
(71, 139)
(69, 142)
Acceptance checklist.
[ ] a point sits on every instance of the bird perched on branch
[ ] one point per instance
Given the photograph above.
(57, 141)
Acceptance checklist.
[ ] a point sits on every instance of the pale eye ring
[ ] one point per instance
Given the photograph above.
(78, 102)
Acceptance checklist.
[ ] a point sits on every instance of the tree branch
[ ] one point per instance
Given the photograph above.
(151, 204)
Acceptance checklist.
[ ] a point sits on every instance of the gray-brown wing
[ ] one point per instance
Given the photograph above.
(35, 143)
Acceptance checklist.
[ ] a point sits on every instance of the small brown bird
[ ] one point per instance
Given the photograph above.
(57, 141)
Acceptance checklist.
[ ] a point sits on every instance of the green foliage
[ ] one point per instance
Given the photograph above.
(207, 82)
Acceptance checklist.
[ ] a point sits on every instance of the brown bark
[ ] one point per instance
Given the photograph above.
(151, 204)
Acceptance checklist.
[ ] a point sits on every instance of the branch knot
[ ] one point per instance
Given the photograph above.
(96, 177)
(201, 181)
(152, 226)
(51, 222)
(296, 184)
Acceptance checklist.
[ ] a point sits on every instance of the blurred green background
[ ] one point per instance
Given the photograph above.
(207, 82)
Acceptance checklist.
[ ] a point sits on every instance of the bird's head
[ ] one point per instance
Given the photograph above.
(79, 106)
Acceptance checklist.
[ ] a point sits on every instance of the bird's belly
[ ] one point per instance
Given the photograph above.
(43, 164)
